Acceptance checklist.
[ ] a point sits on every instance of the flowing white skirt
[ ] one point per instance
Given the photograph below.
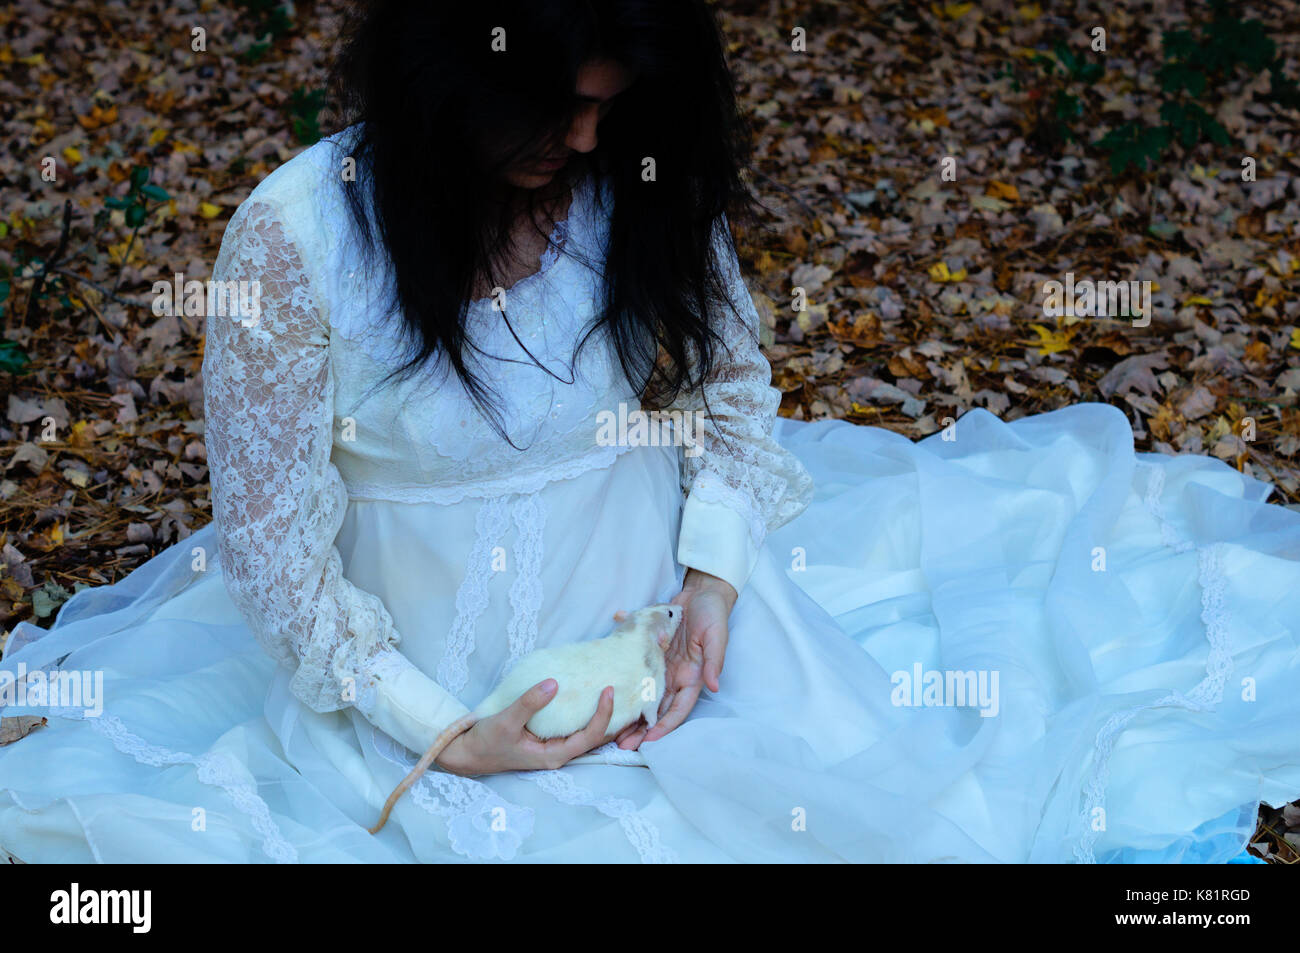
(1027, 643)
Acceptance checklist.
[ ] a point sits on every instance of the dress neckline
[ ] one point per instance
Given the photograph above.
(561, 232)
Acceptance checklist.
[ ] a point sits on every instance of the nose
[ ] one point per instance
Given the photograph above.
(582, 131)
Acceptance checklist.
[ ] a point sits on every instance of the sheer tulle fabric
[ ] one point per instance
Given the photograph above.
(1138, 612)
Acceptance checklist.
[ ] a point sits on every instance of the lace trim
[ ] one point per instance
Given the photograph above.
(218, 769)
(526, 591)
(643, 835)
(600, 458)
(482, 825)
(611, 753)
(375, 332)
(385, 666)
(472, 595)
(709, 487)
(1218, 664)
(555, 245)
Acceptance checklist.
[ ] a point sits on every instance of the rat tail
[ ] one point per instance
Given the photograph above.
(453, 730)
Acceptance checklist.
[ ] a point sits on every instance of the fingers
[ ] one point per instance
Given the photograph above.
(630, 737)
(589, 737)
(682, 703)
(532, 701)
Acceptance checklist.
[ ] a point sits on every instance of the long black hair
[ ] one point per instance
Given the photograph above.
(447, 94)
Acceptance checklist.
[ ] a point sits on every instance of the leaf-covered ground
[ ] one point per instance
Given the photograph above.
(923, 278)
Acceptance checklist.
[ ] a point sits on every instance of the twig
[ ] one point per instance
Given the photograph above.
(126, 257)
(101, 289)
(787, 190)
(49, 262)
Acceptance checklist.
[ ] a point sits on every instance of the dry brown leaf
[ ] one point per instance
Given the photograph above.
(12, 729)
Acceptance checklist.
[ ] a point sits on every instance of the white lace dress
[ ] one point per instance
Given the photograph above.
(379, 557)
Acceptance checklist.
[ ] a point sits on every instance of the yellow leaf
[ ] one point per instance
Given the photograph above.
(1264, 299)
(1030, 12)
(208, 210)
(116, 251)
(1295, 339)
(1002, 190)
(1052, 342)
(951, 11)
(1198, 299)
(939, 272)
(83, 435)
(72, 154)
(157, 136)
(56, 534)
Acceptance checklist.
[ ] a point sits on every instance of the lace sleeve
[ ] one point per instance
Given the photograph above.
(278, 501)
(740, 483)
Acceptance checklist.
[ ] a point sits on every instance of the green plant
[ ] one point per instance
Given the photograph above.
(304, 114)
(1134, 144)
(135, 205)
(12, 356)
(1198, 61)
(1058, 105)
(271, 22)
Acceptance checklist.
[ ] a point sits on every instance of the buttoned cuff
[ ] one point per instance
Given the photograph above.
(716, 539)
(407, 704)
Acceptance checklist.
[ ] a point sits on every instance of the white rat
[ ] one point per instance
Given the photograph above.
(631, 658)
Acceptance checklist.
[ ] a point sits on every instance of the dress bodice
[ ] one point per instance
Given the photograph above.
(422, 438)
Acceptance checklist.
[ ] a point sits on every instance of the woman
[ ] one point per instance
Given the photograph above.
(521, 236)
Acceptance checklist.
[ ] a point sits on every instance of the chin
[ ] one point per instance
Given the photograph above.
(530, 180)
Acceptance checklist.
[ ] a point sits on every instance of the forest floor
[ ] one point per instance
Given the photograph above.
(927, 167)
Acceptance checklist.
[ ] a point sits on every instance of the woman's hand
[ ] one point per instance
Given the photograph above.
(695, 656)
(502, 742)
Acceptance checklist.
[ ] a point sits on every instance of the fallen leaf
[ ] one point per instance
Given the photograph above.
(1133, 373)
(1002, 190)
(1051, 341)
(941, 274)
(11, 729)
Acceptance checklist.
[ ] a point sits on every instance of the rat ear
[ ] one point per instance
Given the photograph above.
(620, 615)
